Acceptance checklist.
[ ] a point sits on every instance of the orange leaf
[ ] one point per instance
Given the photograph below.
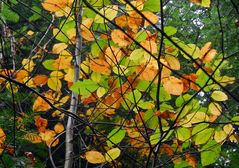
(40, 80)
(2, 136)
(100, 65)
(48, 137)
(120, 38)
(191, 160)
(85, 29)
(113, 55)
(151, 16)
(40, 123)
(54, 5)
(150, 45)
(173, 85)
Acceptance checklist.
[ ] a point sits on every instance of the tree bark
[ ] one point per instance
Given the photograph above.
(74, 97)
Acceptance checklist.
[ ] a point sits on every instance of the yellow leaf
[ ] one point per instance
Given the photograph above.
(58, 48)
(58, 128)
(69, 76)
(173, 85)
(220, 136)
(109, 12)
(112, 154)
(228, 129)
(203, 3)
(94, 157)
(101, 91)
(219, 96)
(54, 84)
(33, 138)
(48, 137)
(28, 64)
(57, 74)
(138, 4)
(215, 109)
(30, 33)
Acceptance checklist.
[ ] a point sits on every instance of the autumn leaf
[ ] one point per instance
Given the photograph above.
(173, 85)
(54, 5)
(151, 17)
(58, 128)
(58, 48)
(100, 65)
(120, 38)
(48, 137)
(40, 80)
(40, 123)
(33, 138)
(108, 12)
(86, 33)
(94, 157)
(2, 136)
(28, 64)
(203, 3)
(113, 55)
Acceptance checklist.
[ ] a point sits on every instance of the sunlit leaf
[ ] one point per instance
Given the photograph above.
(115, 136)
(108, 12)
(94, 157)
(112, 154)
(219, 96)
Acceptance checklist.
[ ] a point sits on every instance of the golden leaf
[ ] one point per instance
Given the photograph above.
(54, 84)
(58, 48)
(113, 55)
(33, 138)
(58, 128)
(94, 157)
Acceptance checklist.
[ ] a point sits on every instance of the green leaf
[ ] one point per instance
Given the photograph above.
(85, 87)
(210, 152)
(183, 134)
(154, 139)
(97, 48)
(152, 5)
(203, 136)
(9, 15)
(48, 64)
(199, 127)
(141, 36)
(151, 119)
(170, 30)
(133, 96)
(143, 85)
(164, 96)
(115, 136)
(236, 120)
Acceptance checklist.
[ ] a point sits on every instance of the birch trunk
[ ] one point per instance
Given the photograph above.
(74, 97)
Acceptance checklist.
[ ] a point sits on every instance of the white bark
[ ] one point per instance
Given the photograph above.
(74, 98)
